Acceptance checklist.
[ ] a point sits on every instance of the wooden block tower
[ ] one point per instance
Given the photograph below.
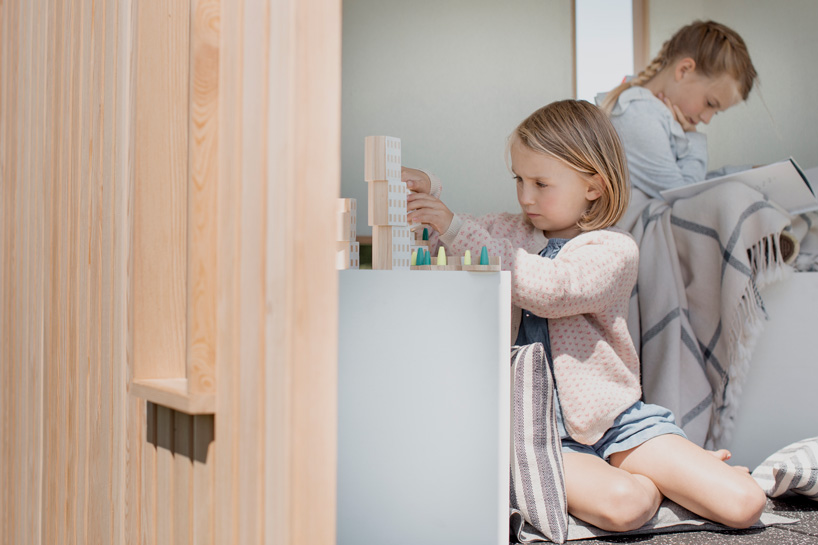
(347, 254)
(391, 237)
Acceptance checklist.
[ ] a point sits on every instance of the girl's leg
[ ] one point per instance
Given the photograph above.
(608, 497)
(696, 480)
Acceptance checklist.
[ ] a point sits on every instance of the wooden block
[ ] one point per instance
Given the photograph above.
(396, 202)
(387, 202)
(347, 255)
(495, 265)
(391, 247)
(347, 205)
(381, 158)
(378, 193)
(444, 267)
(345, 227)
(381, 242)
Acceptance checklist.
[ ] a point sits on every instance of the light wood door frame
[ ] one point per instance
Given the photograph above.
(276, 356)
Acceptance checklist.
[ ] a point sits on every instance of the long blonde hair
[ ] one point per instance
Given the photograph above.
(580, 135)
(716, 50)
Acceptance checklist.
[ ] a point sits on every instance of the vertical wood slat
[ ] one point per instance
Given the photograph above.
(71, 458)
(202, 194)
(203, 478)
(641, 34)
(165, 476)
(182, 480)
(148, 490)
(160, 194)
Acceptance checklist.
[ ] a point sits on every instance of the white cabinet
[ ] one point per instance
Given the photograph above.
(423, 435)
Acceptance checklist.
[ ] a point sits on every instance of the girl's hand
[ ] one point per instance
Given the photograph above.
(681, 118)
(423, 208)
(416, 180)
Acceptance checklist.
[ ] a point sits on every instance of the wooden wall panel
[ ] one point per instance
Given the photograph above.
(80, 459)
(86, 130)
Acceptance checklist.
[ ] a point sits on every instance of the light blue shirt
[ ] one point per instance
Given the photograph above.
(660, 154)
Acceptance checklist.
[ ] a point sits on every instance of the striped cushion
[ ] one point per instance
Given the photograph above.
(537, 483)
(793, 468)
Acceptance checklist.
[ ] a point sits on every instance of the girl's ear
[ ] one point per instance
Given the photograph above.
(684, 66)
(592, 192)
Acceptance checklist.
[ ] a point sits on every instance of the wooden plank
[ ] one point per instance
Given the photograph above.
(301, 35)
(50, 352)
(135, 517)
(161, 174)
(314, 281)
(227, 445)
(251, 292)
(26, 418)
(165, 498)
(36, 252)
(83, 367)
(202, 195)
(173, 393)
(61, 276)
(203, 479)
(182, 478)
(148, 488)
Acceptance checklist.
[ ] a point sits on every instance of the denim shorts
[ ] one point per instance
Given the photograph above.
(637, 424)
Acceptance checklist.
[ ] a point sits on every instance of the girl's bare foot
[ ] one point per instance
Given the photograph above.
(722, 454)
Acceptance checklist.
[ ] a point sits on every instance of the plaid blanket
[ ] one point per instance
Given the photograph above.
(696, 310)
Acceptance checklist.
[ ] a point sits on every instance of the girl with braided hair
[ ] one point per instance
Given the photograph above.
(702, 70)
(696, 308)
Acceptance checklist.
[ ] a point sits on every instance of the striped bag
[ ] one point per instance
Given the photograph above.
(538, 503)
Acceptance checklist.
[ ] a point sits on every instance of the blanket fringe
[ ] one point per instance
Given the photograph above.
(745, 327)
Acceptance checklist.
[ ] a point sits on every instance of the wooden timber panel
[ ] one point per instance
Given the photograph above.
(81, 461)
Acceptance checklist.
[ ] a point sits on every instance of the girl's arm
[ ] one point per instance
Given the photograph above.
(587, 279)
(588, 275)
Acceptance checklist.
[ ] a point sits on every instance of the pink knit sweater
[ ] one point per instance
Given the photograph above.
(584, 292)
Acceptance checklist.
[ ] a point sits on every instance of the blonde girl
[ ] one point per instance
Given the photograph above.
(703, 69)
(572, 276)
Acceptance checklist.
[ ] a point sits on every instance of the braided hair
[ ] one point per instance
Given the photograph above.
(716, 50)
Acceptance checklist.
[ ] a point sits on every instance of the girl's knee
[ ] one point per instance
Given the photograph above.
(746, 506)
(627, 506)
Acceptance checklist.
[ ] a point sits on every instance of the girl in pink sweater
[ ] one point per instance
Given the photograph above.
(572, 276)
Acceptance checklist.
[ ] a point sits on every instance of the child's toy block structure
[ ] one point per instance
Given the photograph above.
(391, 237)
(391, 247)
(347, 220)
(387, 202)
(347, 255)
(382, 158)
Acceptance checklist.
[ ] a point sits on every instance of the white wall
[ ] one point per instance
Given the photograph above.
(783, 43)
(451, 79)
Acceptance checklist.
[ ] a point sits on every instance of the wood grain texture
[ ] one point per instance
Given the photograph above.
(157, 159)
(160, 189)
(78, 460)
(202, 194)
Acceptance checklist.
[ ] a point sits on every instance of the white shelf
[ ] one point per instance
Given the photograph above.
(424, 405)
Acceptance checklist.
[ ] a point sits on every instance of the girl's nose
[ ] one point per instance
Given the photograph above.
(706, 117)
(526, 195)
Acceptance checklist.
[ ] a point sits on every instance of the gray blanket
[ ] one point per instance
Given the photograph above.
(696, 310)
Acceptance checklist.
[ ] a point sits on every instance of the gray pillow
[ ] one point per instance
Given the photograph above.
(792, 469)
(537, 481)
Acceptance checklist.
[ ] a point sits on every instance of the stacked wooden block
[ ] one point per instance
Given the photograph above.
(347, 254)
(391, 237)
